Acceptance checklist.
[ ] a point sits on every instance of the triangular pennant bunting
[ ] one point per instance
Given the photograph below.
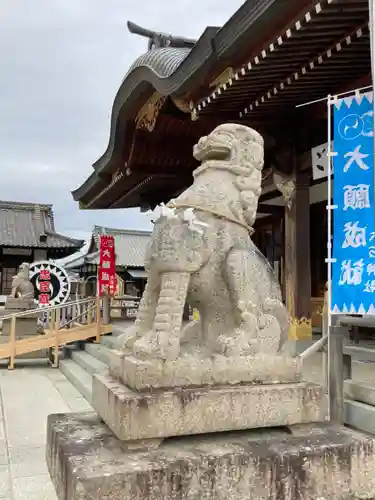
(358, 97)
(361, 309)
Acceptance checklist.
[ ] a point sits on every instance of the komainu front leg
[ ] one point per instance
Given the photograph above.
(163, 340)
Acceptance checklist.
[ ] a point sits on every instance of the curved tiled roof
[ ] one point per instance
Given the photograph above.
(130, 248)
(23, 224)
(163, 62)
(175, 71)
(130, 245)
(163, 70)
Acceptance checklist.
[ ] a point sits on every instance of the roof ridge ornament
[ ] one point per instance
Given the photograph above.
(157, 40)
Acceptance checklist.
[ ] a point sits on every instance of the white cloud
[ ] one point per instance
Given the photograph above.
(62, 62)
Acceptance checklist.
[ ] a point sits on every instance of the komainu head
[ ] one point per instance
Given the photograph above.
(24, 270)
(239, 150)
(233, 144)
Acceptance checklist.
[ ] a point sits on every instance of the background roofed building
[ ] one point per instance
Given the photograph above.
(27, 234)
(130, 247)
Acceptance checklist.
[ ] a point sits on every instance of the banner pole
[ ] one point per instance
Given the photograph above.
(329, 243)
(372, 38)
(371, 8)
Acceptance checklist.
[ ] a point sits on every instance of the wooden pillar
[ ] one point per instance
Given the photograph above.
(297, 259)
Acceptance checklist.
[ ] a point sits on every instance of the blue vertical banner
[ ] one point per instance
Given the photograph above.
(353, 256)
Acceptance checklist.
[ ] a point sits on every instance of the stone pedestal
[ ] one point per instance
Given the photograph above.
(197, 371)
(264, 438)
(186, 411)
(87, 462)
(15, 304)
(26, 325)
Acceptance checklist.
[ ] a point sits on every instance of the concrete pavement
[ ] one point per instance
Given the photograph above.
(28, 396)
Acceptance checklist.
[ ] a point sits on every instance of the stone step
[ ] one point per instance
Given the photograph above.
(359, 392)
(79, 365)
(79, 377)
(109, 341)
(68, 349)
(118, 329)
(98, 351)
(360, 416)
(90, 364)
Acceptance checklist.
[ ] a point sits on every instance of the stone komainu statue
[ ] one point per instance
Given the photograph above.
(201, 251)
(21, 284)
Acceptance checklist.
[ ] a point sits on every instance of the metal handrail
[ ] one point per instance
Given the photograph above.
(316, 347)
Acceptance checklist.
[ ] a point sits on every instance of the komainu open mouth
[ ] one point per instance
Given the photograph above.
(211, 150)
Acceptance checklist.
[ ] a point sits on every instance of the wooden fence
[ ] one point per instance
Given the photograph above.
(61, 325)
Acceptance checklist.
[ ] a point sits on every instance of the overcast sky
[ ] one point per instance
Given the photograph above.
(61, 63)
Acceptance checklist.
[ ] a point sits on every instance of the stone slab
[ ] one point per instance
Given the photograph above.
(360, 392)
(13, 303)
(86, 462)
(25, 327)
(199, 371)
(184, 411)
(359, 415)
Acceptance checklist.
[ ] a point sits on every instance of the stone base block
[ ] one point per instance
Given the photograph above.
(86, 462)
(184, 411)
(199, 371)
(25, 327)
(14, 303)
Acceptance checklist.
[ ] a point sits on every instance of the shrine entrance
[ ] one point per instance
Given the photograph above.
(268, 237)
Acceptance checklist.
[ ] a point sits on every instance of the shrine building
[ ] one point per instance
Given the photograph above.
(130, 249)
(267, 60)
(27, 234)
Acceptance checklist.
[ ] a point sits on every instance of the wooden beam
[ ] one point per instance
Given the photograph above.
(269, 196)
(271, 209)
(318, 111)
(161, 172)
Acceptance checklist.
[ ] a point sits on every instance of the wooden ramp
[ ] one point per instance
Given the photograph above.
(56, 334)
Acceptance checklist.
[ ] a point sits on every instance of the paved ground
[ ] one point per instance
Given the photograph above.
(28, 396)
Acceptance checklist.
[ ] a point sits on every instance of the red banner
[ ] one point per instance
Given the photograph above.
(107, 266)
